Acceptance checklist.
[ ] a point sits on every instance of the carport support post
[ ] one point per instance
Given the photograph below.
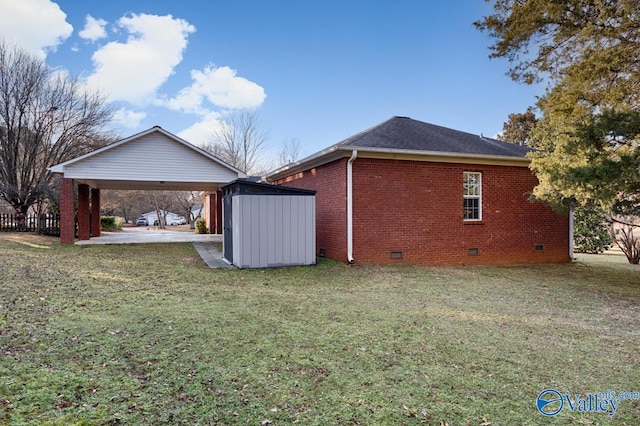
(213, 212)
(95, 212)
(83, 212)
(218, 212)
(67, 212)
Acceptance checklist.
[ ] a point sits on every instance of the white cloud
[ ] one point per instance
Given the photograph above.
(34, 25)
(201, 132)
(221, 87)
(94, 29)
(127, 118)
(133, 71)
(213, 87)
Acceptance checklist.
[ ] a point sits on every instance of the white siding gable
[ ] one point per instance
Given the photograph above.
(151, 157)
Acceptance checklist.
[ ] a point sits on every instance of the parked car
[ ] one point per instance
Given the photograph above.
(180, 220)
(142, 221)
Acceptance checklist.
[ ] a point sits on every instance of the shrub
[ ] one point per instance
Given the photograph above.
(628, 243)
(201, 227)
(591, 230)
(111, 223)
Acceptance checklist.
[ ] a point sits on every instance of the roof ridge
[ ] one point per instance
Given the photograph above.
(449, 129)
(364, 132)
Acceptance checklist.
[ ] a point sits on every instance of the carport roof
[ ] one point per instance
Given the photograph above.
(154, 159)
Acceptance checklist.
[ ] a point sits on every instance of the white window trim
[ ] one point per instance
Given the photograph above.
(478, 197)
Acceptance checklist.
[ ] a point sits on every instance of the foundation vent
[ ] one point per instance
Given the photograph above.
(396, 255)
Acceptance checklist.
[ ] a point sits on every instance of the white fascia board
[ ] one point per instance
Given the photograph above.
(439, 156)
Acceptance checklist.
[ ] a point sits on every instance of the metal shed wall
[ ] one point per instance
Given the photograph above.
(273, 230)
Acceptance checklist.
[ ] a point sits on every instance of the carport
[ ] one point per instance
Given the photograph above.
(154, 159)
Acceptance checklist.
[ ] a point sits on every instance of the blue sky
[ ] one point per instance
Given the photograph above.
(316, 71)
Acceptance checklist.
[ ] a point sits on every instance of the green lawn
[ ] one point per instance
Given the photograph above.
(146, 334)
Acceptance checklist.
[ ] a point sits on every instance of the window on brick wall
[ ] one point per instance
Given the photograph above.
(472, 195)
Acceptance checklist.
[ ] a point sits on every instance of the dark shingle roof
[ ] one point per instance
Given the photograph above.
(402, 133)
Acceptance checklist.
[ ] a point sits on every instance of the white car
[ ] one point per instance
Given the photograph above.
(180, 220)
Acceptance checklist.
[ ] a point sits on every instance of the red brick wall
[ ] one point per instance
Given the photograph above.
(83, 212)
(95, 212)
(416, 208)
(330, 182)
(67, 212)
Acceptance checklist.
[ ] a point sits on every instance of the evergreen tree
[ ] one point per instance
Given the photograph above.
(518, 128)
(591, 230)
(587, 142)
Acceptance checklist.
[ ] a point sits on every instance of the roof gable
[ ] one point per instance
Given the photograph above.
(154, 155)
(402, 133)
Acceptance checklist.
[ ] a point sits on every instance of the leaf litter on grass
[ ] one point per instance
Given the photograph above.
(120, 335)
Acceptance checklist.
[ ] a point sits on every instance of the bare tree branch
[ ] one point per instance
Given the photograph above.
(240, 141)
(45, 119)
(290, 152)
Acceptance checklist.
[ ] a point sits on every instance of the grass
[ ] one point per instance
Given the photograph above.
(148, 335)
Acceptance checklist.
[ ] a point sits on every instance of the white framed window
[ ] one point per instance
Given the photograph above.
(472, 196)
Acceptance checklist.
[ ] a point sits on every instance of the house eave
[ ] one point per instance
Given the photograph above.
(441, 157)
(149, 185)
(318, 159)
(338, 152)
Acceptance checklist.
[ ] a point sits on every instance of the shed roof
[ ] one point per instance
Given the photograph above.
(256, 188)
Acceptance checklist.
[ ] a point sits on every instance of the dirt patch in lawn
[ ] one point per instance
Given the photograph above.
(30, 238)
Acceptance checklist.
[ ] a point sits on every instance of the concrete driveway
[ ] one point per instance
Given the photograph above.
(149, 234)
(174, 234)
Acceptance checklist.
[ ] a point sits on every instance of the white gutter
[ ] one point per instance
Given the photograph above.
(443, 154)
(571, 218)
(335, 152)
(354, 154)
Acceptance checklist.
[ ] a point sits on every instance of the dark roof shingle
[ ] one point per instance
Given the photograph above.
(402, 133)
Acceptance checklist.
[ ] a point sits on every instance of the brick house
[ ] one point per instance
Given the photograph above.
(405, 191)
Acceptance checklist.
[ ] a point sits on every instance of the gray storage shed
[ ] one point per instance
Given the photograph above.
(267, 225)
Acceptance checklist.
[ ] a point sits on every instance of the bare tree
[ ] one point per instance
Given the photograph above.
(625, 232)
(290, 152)
(162, 202)
(240, 141)
(124, 203)
(45, 118)
(186, 201)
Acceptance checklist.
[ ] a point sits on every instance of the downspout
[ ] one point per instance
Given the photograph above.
(354, 154)
(571, 236)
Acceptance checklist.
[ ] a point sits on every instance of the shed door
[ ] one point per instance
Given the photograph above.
(227, 233)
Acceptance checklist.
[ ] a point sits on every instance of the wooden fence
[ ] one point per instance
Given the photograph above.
(48, 224)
